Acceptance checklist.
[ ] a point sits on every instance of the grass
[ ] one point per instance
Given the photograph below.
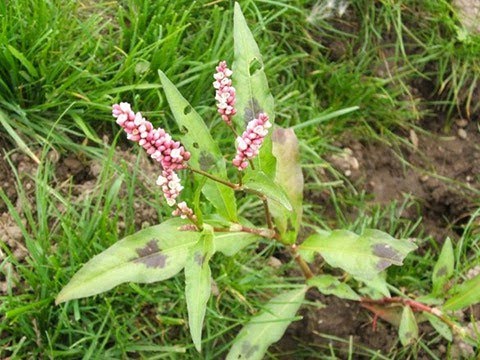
(373, 73)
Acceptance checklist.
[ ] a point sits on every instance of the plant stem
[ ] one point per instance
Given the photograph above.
(266, 233)
(415, 306)
(268, 216)
(307, 272)
(215, 178)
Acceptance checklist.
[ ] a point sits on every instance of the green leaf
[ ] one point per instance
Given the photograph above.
(467, 294)
(408, 331)
(267, 327)
(205, 152)
(23, 60)
(363, 256)
(252, 93)
(376, 287)
(260, 183)
(329, 285)
(230, 243)
(443, 269)
(5, 122)
(439, 326)
(290, 177)
(198, 283)
(153, 254)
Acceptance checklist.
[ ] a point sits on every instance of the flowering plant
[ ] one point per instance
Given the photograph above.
(267, 163)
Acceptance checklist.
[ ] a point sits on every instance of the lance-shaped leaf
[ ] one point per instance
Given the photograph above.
(443, 268)
(408, 330)
(267, 327)
(466, 294)
(289, 176)
(439, 326)
(198, 283)
(329, 285)
(205, 152)
(153, 254)
(252, 93)
(360, 255)
(262, 185)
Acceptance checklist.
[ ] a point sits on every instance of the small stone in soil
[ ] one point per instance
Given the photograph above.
(461, 123)
(462, 134)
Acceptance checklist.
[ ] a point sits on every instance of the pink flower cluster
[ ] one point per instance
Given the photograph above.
(183, 211)
(171, 186)
(225, 92)
(158, 144)
(251, 140)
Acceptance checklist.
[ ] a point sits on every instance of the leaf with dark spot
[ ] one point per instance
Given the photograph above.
(251, 85)
(363, 256)
(408, 329)
(198, 283)
(252, 111)
(267, 327)
(206, 161)
(199, 258)
(157, 260)
(442, 271)
(150, 248)
(386, 252)
(289, 176)
(382, 264)
(248, 349)
(161, 250)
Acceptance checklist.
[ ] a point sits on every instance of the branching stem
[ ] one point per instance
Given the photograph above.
(215, 178)
(415, 306)
(307, 272)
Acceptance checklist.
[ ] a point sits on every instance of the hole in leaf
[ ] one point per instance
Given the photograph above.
(187, 110)
(255, 65)
(183, 130)
(195, 145)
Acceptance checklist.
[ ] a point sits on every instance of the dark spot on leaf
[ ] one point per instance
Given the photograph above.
(183, 130)
(255, 66)
(150, 255)
(386, 251)
(442, 271)
(195, 145)
(206, 161)
(187, 110)
(290, 226)
(150, 248)
(383, 264)
(199, 258)
(248, 349)
(252, 110)
(409, 335)
(279, 135)
(331, 287)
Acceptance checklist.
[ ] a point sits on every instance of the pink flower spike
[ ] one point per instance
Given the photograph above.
(158, 144)
(171, 187)
(251, 140)
(183, 211)
(224, 92)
